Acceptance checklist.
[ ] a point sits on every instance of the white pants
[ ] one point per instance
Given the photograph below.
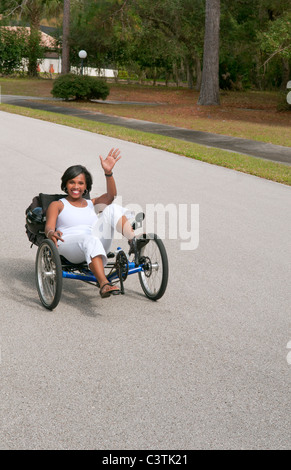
(78, 248)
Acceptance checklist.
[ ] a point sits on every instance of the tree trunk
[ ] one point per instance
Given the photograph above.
(286, 73)
(175, 74)
(198, 74)
(209, 92)
(34, 42)
(190, 80)
(66, 32)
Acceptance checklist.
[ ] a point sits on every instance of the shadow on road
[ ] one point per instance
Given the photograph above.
(18, 281)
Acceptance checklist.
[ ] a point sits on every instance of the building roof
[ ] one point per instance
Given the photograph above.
(46, 40)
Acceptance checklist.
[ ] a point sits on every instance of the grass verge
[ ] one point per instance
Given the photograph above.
(243, 163)
(235, 122)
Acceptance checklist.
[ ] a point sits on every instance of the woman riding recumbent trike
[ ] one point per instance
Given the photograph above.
(151, 264)
(74, 235)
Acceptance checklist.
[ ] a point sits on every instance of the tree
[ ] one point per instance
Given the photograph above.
(246, 58)
(209, 93)
(158, 38)
(32, 11)
(104, 29)
(166, 37)
(179, 26)
(276, 42)
(13, 47)
(65, 42)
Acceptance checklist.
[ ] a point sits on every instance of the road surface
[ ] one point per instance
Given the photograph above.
(205, 367)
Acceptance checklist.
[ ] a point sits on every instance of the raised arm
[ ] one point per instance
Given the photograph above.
(107, 165)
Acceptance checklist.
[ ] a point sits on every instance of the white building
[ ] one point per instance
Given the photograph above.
(52, 63)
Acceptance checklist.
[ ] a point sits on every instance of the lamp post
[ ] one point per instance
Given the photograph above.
(82, 55)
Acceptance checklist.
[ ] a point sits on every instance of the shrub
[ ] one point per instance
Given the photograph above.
(13, 47)
(99, 89)
(283, 104)
(80, 87)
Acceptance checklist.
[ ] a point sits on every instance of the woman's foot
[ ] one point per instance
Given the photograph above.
(108, 289)
(135, 245)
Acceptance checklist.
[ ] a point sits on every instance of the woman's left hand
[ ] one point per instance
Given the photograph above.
(109, 162)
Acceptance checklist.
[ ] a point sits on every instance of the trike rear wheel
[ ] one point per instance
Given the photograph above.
(48, 274)
(154, 276)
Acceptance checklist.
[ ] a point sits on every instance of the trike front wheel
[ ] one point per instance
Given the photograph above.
(155, 269)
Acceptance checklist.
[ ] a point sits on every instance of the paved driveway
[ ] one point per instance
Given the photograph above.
(203, 368)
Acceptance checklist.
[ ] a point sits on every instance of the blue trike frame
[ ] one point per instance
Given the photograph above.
(84, 274)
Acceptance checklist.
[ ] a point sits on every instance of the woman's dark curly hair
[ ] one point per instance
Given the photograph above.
(74, 171)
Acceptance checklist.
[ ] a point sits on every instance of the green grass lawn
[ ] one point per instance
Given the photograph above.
(26, 87)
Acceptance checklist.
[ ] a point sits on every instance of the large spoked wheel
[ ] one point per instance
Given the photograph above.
(48, 273)
(154, 276)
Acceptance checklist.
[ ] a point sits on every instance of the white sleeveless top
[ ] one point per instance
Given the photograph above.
(74, 220)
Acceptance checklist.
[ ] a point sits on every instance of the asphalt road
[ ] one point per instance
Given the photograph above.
(205, 367)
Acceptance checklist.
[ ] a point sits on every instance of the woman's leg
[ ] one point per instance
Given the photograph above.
(78, 248)
(114, 217)
(97, 268)
(124, 226)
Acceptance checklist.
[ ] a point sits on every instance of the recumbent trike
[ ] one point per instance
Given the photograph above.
(51, 268)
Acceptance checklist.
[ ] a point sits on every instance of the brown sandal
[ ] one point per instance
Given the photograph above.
(109, 291)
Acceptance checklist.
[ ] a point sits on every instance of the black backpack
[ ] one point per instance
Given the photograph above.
(36, 216)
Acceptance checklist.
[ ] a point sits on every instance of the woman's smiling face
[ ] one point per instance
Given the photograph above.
(76, 186)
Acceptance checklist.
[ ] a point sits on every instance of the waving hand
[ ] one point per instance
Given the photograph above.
(109, 162)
